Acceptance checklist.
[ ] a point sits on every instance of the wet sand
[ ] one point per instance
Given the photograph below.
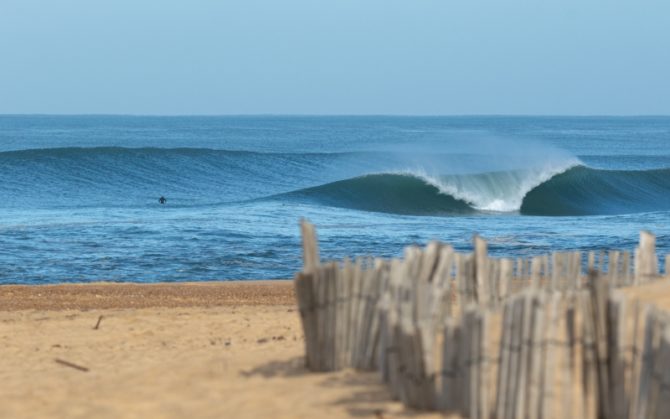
(107, 295)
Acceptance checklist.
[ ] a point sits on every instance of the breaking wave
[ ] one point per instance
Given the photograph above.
(575, 190)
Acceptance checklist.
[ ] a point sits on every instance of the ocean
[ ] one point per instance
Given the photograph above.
(79, 194)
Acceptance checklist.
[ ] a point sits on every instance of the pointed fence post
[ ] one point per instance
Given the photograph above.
(310, 246)
(504, 283)
(646, 262)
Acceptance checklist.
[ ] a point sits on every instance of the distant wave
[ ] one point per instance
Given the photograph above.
(102, 152)
(104, 176)
(578, 190)
(107, 176)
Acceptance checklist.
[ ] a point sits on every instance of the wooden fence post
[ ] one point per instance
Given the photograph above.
(449, 393)
(599, 287)
(617, 345)
(310, 246)
(306, 306)
(625, 268)
(535, 360)
(646, 367)
(662, 407)
(516, 342)
(504, 359)
(591, 264)
(483, 320)
(548, 389)
(646, 262)
(481, 269)
(504, 284)
(535, 272)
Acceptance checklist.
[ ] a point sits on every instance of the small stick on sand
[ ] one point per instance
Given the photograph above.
(71, 365)
(97, 325)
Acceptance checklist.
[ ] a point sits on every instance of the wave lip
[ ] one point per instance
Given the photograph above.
(496, 191)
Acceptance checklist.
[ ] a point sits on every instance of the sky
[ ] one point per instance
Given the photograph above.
(347, 57)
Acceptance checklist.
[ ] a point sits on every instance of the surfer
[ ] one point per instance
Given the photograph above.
(162, 200)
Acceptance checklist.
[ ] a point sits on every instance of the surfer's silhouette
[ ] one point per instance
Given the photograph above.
(162, 200)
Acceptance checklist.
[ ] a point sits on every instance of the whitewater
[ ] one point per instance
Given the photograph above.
(79, 194)
(494, 191)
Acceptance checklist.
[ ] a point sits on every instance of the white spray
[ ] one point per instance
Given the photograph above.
(489, 173)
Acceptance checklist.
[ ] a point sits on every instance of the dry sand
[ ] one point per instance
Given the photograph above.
(214, 350)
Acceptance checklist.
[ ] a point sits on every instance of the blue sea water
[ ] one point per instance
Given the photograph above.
(79, 194)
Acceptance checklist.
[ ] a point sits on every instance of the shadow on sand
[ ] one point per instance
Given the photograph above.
(292, 367)
(366, 396)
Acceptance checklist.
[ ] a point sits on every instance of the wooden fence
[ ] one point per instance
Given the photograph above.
(493, 338)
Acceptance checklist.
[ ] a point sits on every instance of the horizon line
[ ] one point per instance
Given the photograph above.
(335, 115)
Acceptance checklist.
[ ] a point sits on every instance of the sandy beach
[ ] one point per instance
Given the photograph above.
(196, 350)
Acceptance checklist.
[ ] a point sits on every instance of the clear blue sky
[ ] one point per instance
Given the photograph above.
(335, 57)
